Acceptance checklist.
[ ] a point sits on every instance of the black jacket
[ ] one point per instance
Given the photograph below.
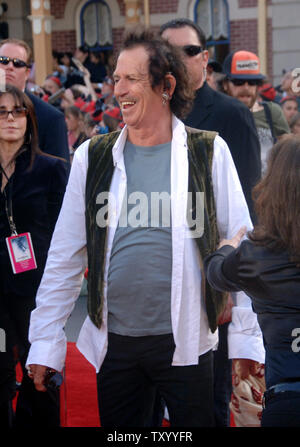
(273, 283)
(36, 200)
(52, 130)
(229, 117)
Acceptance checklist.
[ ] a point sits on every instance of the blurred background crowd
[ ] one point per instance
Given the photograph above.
(81, 86)
(284, 94)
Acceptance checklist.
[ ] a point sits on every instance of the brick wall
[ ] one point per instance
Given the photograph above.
(122, 7)
(270, 48)
(247, 3)
(243, 36)
(250, 3)
(57, 8)
(163, 6)
(64, 40)
(155, 6)
(117, 38)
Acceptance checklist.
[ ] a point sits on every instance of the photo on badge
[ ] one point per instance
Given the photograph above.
(21, 253)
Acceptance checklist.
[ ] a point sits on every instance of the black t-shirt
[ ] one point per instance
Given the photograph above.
(213, 110)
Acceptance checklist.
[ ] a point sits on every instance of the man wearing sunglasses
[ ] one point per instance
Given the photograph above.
(242, 80)
(15, 57)
(242, 76)
(213, 110)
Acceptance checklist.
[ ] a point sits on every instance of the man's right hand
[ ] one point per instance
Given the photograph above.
(38, 373)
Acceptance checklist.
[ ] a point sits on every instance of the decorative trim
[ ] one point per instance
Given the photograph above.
(47, 4)
(37, 23)
(48, 26)
(36, 4)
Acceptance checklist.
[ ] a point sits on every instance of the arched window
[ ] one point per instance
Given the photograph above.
(213, 17)
(95, 25)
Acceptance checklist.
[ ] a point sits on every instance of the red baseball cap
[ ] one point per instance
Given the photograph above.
(114, 113)
(267, 91)
(288, 98)
(242, 65)
(56, 80)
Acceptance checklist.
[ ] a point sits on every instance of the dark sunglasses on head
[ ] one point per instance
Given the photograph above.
(192, 50)
(18, 112)
(240, 82)
(17, 63)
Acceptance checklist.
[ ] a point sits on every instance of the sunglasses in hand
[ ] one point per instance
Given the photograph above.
(17, 63)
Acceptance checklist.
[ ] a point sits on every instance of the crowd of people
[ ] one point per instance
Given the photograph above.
(81, 87)
(84, 80)
(284, 95)
(177, 305)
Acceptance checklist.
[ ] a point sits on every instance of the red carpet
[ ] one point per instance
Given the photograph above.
(79, 406)
(79, 393)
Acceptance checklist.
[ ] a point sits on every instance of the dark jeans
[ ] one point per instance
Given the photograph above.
(7, 369)
(283, 410)
(135, 367)
(34, 408)
(7, 387)
(222, 379)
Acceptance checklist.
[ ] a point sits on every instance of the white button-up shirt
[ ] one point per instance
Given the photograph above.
(67, 260)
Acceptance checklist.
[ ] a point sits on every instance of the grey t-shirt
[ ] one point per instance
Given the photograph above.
(140, 270)
(280, 126)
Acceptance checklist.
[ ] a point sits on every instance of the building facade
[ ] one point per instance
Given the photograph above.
(229, 25)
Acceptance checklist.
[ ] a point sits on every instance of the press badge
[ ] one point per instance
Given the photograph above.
(21, 253)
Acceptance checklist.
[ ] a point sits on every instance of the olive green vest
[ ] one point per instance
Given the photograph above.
(99, 176)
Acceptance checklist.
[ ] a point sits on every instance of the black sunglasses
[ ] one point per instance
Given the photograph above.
(17, 63)
(240, 82)
(192, 50)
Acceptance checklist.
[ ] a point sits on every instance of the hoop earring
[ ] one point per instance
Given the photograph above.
(165, 97)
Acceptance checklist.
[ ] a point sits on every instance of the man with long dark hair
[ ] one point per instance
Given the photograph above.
(172, 192)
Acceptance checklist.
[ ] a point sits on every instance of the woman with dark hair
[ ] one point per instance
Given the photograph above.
(32, 189)
(267, 268)
(295, 124)
(74, 122)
